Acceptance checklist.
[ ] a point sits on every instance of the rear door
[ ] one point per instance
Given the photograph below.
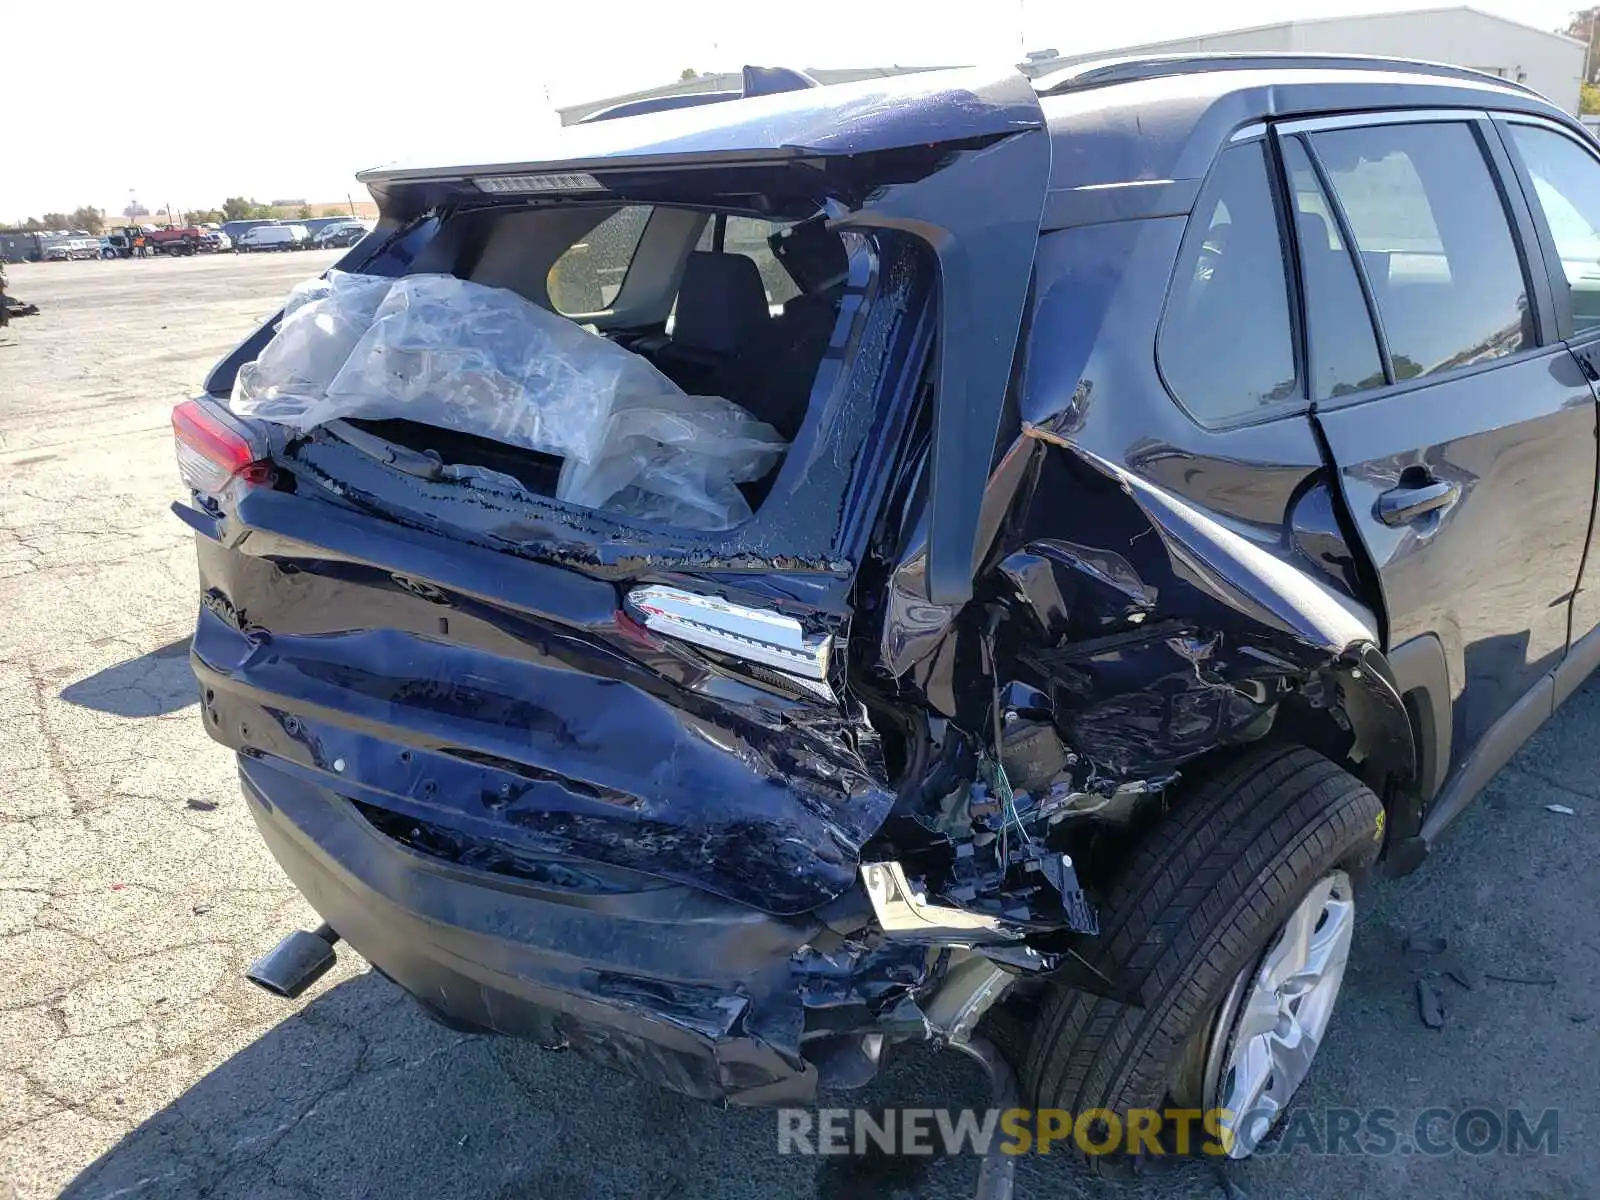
(1560, 174)
(1468, 464)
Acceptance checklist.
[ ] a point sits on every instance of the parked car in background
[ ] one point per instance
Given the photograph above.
(315, 225)
(236, 229)
(1189, 502)
(216, 241)
(273, 237)
(343, 233)
(61, 249)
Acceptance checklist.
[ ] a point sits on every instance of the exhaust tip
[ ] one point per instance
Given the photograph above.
(295, 963)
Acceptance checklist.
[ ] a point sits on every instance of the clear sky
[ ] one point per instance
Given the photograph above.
(289, 100)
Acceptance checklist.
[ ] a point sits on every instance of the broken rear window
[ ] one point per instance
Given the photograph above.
(674, 401)
(588, 276)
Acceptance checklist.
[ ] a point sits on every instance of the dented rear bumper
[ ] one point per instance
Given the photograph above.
(661, 981)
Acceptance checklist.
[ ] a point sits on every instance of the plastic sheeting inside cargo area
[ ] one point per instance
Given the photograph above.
(481, 360)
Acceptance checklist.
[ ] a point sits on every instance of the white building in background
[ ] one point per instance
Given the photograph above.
(1550, 63)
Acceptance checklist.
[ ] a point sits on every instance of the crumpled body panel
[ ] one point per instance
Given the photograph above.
(531, 725)
(660, 982)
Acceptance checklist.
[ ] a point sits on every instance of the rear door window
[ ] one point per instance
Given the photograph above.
(1433, 234)
(1343, 349)
(1566, 182)
(748, 236)
(588, 276)
(1226, 345)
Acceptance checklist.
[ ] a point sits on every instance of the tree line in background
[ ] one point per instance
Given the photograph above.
(94, 220)
(237, 208)
(90, 219)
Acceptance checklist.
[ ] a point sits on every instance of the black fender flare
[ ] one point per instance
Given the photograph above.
(1385, 750)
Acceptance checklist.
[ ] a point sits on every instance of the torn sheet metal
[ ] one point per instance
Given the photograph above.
(536, 723)
(1240, 574)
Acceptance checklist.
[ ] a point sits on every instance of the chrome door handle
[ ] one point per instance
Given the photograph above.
(1403, 505)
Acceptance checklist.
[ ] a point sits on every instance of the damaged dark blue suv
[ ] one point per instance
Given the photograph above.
(1166, 492)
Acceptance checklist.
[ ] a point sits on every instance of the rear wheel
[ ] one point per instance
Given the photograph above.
(1233, 922)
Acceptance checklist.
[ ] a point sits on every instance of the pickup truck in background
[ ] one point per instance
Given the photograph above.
(61, 249)
(176, 239)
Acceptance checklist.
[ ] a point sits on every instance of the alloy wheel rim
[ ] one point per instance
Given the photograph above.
(1284, 1003)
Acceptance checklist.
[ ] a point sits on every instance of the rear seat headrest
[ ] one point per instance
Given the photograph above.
(1313, 232)
(721, 301)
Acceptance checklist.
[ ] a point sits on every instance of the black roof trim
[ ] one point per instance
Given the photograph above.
(1107, 71)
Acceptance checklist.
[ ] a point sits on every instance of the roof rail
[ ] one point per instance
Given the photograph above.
(757, 81)
(1107, 71)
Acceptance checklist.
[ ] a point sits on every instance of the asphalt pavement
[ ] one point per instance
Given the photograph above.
(136, 1061)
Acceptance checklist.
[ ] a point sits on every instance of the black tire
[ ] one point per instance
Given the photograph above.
(1196, 904)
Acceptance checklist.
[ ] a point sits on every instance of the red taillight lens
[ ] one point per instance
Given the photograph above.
(210, 454)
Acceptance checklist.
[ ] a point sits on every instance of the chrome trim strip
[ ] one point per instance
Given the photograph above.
(757, 635)
(1523, 118)
(1582, 135)
(1392, 116)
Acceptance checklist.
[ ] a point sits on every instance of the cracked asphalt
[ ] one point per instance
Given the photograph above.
(136, 1061)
